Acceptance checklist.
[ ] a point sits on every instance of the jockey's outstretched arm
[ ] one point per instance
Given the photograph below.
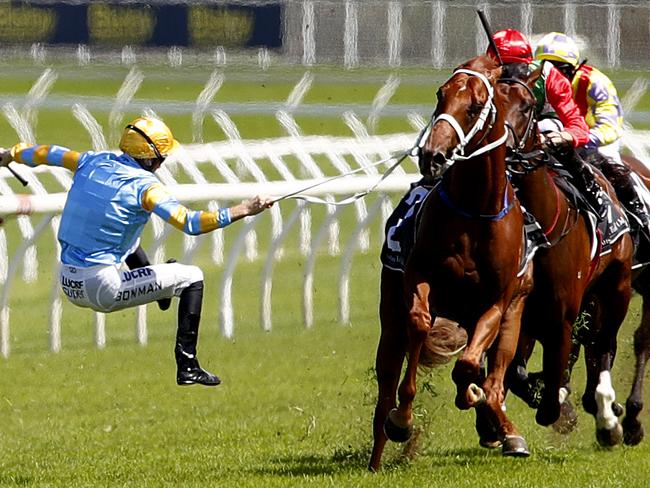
(37, 155)
(158, 200)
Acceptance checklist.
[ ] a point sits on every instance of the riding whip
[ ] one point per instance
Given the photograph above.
(22, 180)
(488, 31)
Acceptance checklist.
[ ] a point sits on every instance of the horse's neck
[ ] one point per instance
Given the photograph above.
(538, 193)
(481, 183)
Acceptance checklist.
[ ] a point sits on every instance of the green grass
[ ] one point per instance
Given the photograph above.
(241, 85)
(294, 409)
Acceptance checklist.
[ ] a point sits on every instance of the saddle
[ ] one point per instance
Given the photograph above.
(604, 232)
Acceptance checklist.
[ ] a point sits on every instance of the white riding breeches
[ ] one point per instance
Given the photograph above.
(612, 151)
(549, 124)
(110, 288)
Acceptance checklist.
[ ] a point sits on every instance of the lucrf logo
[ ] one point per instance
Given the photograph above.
(136, 273)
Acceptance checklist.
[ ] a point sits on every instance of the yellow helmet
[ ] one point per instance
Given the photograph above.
(147, 138)
(558, 47)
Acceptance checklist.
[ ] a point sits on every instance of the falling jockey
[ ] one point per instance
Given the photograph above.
(111, 199)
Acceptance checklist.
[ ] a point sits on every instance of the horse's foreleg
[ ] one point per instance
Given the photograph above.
(633, 430)
(501, 355)
(517, 377)
(467, 369)
(399, 424)
(609, 431)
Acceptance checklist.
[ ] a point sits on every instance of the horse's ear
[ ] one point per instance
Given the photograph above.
(532, 78)
(495, 74)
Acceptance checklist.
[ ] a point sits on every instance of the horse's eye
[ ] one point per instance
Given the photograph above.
(474, 109)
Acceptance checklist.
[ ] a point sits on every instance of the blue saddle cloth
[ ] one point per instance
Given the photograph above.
(401, 230)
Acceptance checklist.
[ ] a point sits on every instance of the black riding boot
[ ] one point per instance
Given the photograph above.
(621, 179)
(189, 314)
(585, 181)
(637, 207)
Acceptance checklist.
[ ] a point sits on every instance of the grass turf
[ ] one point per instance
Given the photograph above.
(295, 407)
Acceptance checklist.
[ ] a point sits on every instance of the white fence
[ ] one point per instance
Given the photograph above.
(443, 33)
(195, 158)
(243, 168)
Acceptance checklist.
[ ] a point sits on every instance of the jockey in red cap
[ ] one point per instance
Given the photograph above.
(554, 93)
(559, 117)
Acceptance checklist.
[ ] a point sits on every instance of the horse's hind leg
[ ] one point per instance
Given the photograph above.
(611, 308)
(399, 423)
(390, 356)
(632, 428)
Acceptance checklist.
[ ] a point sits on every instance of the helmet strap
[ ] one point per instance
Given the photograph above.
(148, 139)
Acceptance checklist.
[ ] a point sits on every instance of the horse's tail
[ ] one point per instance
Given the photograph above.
(444, 340)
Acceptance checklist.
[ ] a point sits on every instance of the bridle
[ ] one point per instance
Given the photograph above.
(532, 160)
(489, 110)
(487, 116)
(527, 161)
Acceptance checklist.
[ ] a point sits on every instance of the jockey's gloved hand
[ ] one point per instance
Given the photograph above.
(5, 157)
(257, 204)
(556, 140)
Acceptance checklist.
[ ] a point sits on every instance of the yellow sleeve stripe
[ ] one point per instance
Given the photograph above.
(208, 221)
(70, 160)
(40, 154)
(178, 217)
(152, 195)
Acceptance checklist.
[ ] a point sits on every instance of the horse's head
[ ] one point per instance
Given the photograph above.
(519, 110)
(463, 116)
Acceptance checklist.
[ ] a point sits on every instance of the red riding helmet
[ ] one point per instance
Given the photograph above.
(513, 47)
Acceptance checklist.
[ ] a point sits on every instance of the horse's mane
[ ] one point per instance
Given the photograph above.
(481, 63)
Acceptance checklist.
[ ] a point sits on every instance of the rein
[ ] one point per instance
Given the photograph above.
(346, 201)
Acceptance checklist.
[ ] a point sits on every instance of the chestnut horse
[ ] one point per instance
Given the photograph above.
(568, 278)
(467, 263)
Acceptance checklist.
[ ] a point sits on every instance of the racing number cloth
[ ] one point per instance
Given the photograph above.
(401, 228)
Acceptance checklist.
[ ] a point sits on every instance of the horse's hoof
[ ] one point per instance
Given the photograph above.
(547, 416)
(515, 446)
(395, 432)
(610, 437)
(490, 443)
(475, 395)
(568, 419)
(632, 432)
(617, 408)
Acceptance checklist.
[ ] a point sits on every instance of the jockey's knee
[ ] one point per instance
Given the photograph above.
(195, 274)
